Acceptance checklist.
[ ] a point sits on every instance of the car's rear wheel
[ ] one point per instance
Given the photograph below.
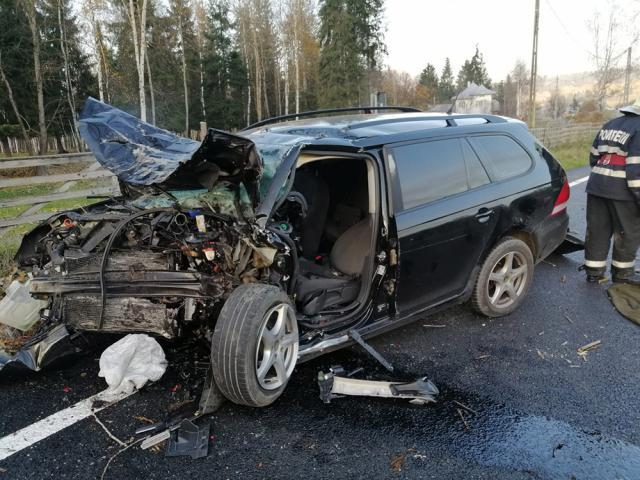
(254, 347)
(504, 278)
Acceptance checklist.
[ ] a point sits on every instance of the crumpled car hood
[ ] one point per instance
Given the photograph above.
(141, 154)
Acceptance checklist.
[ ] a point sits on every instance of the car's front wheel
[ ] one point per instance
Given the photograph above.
(504, 278)
(254, 347)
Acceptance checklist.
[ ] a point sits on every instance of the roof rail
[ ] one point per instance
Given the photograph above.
(450, 119)
(323, 112)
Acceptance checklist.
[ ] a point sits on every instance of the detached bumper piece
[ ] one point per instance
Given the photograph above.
(570, 244)
(420, 392)
(41, 350)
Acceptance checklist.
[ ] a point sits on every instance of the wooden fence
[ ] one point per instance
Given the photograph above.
(92, 171)
(554, 135)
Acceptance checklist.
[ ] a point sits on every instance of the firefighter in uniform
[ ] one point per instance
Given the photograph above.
(613, 199)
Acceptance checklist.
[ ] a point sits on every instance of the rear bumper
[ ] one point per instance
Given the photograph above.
(550, 234)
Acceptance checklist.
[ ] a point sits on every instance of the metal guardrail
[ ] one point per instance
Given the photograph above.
(92, 171)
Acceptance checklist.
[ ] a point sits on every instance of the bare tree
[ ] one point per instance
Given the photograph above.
(138, 17)
(31, 12)
(401, 88)
(297, 27)
(611, 38)
(92, 10)
(67, 71)
(520, 76)
(14, 106)
(183, 58)
(152, 94)
(200, 25)
(241, 14)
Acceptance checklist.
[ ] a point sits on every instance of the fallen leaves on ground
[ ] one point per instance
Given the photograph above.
(144, 419)
(398, 461)
(589, 346)
(583, 350)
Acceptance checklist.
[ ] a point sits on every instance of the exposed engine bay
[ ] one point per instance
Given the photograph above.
(160, 270)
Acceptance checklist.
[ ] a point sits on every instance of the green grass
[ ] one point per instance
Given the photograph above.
(573, 155)
(11, 212)
(9, 193)
(9, 243)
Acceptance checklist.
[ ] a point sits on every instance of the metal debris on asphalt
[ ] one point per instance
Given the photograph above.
(420, 392)
(372, 351)
(154, 440)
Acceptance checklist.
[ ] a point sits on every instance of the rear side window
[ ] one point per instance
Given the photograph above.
(503, 156)
(476, 174)
(430, 171)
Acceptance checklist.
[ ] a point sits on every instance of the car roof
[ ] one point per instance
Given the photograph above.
(364, 129)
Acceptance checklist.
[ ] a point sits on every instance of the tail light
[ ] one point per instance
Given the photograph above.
(562, 200)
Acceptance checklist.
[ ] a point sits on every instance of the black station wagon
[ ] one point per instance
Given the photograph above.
(295, 235)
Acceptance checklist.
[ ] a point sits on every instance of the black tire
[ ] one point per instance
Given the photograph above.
(487, 299)
(235, 342)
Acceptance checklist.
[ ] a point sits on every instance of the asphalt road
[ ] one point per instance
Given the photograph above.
(540, 411)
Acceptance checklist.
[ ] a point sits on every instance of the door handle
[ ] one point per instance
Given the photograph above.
(483, 215)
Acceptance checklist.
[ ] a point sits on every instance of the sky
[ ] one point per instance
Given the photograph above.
(427, 31)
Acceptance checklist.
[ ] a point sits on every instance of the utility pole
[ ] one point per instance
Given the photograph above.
(534, 68)
(556, 94)
(627, 79)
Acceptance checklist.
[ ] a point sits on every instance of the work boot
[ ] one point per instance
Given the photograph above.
(625, 275)
(594, 275)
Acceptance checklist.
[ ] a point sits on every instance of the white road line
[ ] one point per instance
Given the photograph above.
(27, 436)
(579, 181)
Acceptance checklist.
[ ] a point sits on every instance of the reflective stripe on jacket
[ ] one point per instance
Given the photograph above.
(615, 160)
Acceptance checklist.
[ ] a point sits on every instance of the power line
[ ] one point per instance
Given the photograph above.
(574, 40)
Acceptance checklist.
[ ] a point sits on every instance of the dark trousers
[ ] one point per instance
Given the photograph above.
(607, 218)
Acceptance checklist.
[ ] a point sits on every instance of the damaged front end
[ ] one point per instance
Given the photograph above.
(161, 258)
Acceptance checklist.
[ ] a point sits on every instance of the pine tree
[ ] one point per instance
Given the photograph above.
(68, 79)
(351, 44)
(446, 88)
(341, 63)
(464, 76)
(479, 74)
(17, 103)
(475, 71)
(429, 80)
(225, 74)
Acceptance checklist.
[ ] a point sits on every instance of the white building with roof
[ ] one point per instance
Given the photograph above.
(476, 99)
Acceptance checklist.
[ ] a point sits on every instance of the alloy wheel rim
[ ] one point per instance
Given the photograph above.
(277, 350)
(507, 280)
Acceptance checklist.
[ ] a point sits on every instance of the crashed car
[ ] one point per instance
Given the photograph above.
(284, 241)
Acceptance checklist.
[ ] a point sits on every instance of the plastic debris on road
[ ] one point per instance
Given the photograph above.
(131, 362)
(18, 308)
